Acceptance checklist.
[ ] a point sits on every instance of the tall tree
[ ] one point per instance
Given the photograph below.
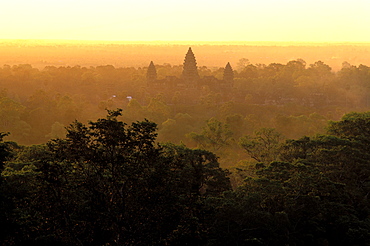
(214, 136)
(264, 145)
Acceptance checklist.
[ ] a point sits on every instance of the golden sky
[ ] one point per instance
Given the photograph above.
(190, 20)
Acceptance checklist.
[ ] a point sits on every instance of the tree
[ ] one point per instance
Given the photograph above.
(4, 149)
(110, 183)
(6, 204)
(263, 146)
(158, 110)
(242, 63)
(354, 126)
(214, 136)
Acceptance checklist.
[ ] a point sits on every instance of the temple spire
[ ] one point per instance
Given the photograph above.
(228, 73)
(190, 71)
(151, 74)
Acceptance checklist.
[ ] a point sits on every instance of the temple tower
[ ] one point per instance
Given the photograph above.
(228, 74)
(190, 71)
(151, 74)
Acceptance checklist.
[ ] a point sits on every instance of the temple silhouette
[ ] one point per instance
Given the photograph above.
(190, 78)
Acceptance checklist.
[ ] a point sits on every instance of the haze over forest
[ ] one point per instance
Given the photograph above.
(47, 84)
(41, 53)
(205, 123)
(184, 143)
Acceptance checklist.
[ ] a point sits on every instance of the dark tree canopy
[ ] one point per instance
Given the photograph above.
(110, 183)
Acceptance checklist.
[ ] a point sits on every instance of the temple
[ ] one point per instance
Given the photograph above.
(228, 74)
(190, 78)
(151, 75)
(190, 74)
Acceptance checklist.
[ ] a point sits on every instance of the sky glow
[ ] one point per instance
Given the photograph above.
(191, 20)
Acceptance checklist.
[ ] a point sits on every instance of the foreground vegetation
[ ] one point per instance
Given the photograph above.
(109, 183)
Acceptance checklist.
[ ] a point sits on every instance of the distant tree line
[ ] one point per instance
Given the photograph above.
(294, 98)
(258, 83)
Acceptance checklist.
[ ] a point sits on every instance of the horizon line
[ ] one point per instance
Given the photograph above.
(184, 42)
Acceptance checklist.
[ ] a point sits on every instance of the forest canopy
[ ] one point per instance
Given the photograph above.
(110, 183)
(239, 154)
(295, 98)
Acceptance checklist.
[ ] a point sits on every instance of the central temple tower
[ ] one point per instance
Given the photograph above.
(151, 74)
(190, 71)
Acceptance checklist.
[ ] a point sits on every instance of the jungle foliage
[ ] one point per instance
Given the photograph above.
(112, 183)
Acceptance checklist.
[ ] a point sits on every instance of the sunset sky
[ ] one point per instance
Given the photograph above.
(190, 20)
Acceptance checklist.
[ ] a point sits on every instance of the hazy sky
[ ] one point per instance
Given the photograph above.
(190, 20)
